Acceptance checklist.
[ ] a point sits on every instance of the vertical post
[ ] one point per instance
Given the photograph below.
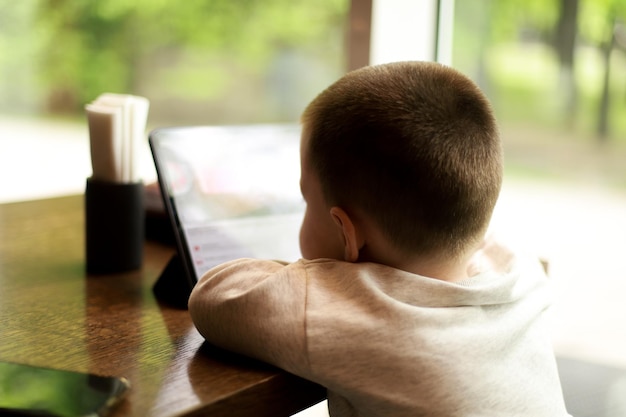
(360, 27)
(396, 30)
(445, 32)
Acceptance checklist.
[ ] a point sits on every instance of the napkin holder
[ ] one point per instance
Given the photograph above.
(114, 226)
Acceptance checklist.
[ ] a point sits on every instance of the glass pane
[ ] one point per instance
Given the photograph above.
(555, 72)
(198, 62)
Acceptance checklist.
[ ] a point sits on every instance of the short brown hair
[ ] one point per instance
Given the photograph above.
(415, 146)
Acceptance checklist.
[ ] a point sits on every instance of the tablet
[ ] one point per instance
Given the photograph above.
(229, 192)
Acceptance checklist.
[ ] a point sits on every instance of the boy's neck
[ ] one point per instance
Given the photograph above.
(441, 266)
(438, 267)
(379, 249)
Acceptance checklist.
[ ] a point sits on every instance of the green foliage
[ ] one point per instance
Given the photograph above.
(64, 53)
(510, 18)
(596, 25)
(84, 47)
(18, 48)
(507, 46)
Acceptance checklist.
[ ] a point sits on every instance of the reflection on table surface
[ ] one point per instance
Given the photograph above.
(54, 315)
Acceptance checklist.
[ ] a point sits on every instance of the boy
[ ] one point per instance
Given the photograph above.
(401, 306)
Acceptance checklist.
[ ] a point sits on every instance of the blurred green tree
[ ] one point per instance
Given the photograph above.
(566, 26)
(601, 27)
(106, 45)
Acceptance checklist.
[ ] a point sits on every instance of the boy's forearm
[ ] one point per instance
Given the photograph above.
(252, 307)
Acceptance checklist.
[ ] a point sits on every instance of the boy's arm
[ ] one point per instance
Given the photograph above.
(256, 308)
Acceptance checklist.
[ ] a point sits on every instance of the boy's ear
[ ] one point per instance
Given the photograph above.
(351, 241)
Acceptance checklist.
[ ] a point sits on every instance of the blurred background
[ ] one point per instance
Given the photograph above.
(555, 71)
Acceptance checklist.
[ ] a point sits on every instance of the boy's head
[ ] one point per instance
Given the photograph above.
(411, 146)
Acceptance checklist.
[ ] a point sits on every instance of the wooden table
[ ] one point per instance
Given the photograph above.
(52, 314)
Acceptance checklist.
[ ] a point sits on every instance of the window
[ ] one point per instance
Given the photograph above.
(210, 62)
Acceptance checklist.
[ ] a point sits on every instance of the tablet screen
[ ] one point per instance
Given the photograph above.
(231, 191)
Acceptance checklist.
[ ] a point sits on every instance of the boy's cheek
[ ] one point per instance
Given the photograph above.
(307, 242)
(307, 235)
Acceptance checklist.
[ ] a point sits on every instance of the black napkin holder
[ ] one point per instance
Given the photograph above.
(114, 226)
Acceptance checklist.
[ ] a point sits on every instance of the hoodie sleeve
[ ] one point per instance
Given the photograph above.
(255, 308)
